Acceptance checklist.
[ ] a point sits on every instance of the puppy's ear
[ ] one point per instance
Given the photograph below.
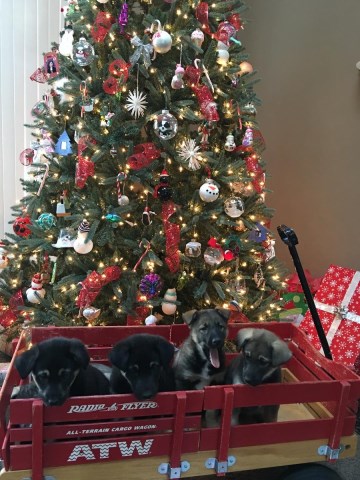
(119, 355)
(190, 316)
(25, 362)
(243, 337)
(224, 313)
(281, 353)
(79, 353)
(166, 351)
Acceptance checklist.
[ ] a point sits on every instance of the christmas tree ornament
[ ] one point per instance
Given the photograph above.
(113, 151)
(51, 64)
(119, 69)
(63, 145)
(258, 234)
(177, 81)
(190, 152)
(61, 208)
(105, 120)
(40, 108)
(111, 86)
(46, 221)
(151, 285)
(66, 239)
(163, 191)
(197, 37)
(161, 40)
(248, 138)
(112, 218)
(259, 277)
(146, 216)
(27, 157)
(245, 67)
(123, 17)
(61, 87)
(142, 52)
(66, 42)
(167, 305)
(249, 109)
(209, 191)
(83, 52)
(43, 180)
(165, 125)
(213, 254)
(233, 244)
(102, 1)
(234, 207)
(91, 313)
(36, 292)
(230, 143)
(193, 249)
(223, 54)
(151, 320)
(240, 226)
(228, 255)
(3, 257)
(123, 200)
(81, 244)
(39, 76)
(136, 101)
(269, 246)
(20, 226)
(46, 144)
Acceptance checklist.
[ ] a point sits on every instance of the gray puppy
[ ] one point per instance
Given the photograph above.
(200, 360)
(261, 355)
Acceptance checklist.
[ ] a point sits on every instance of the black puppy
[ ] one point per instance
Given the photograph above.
(141, 365)
(261, 355)
(60, 369)
(201, 359)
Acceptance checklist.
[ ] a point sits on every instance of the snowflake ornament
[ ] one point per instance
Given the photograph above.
(136, 103)
(190, 152)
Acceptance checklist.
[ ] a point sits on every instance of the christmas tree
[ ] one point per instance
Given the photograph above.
(145, 193)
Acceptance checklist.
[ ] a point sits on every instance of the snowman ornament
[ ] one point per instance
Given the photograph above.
(209, 191)
(36, 292)
(66, 43)
(81, 245)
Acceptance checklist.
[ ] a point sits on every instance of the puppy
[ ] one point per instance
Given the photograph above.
(201, 360)
(60, 369)
(261, 355)
(141, 365)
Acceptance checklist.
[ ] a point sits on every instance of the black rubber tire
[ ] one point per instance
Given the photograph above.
(310, 472)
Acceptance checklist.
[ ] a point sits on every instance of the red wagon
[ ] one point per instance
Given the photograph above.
(117, 436)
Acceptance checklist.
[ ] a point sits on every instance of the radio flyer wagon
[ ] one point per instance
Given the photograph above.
(116, 436)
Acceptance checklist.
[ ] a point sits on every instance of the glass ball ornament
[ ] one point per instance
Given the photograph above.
(209, 191)
(83, 52)
(193, 249)
(27, 157)
(91, 313)
(213, 256)
(165, 125)
(123, 200)
(161, 41)
(234, 207)
(46, 221)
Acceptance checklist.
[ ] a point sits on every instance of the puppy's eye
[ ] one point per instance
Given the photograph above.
(204, 328)
(247, 354)
(263, 361)
(42, 375)
(154, 364)
(134, 368)
(64, 373)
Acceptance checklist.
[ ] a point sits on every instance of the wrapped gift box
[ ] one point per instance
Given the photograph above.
(338, 304)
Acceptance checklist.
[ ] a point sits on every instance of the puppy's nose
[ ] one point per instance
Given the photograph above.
(53, 401)
(251, 381)
(146, 394)
(215, 342)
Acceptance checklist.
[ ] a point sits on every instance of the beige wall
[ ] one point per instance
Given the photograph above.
(305, 54)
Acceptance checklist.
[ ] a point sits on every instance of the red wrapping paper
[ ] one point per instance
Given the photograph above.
(338, 304)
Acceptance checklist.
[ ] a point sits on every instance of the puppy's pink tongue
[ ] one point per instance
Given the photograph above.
(214, 357)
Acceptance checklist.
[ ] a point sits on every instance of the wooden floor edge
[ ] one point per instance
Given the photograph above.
(247, 458)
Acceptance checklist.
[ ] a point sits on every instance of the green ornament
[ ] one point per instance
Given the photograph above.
(46, 221)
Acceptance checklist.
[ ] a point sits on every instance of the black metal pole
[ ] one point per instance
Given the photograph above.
(289, 237)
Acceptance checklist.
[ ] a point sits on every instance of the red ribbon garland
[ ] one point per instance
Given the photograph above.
(172, 235)
(93, 284)
(84, 167)
(205, 98)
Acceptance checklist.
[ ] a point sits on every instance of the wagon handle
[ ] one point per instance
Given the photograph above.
(288, 236)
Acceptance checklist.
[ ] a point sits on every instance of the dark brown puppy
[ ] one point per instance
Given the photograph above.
(200, 360)
(261, 355)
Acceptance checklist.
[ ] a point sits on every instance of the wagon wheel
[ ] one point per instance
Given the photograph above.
(311, 472)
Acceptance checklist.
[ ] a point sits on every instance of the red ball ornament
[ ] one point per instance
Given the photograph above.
(111, 86)
(20, 226)
(27, 156)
